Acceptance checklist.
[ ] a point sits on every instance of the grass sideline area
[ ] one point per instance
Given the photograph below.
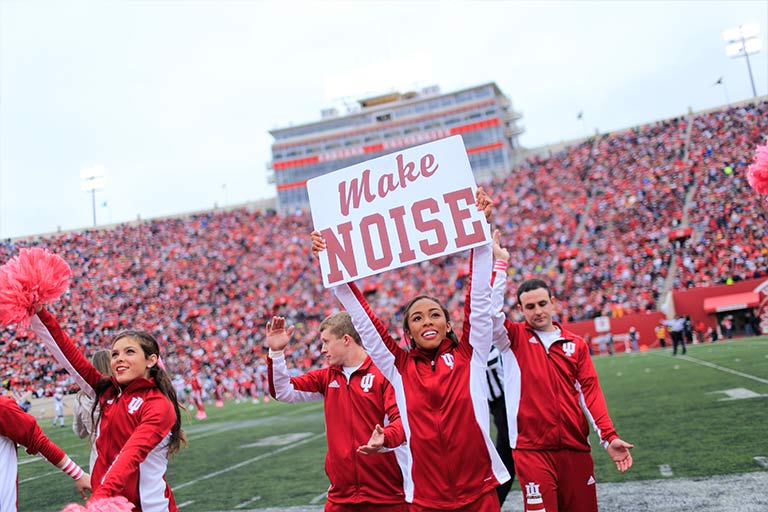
(697, 416)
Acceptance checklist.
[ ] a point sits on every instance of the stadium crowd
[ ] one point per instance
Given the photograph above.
(206, 284)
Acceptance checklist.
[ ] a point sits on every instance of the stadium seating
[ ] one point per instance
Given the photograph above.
(594, 219)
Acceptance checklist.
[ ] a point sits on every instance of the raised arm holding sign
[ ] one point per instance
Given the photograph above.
(452, 463)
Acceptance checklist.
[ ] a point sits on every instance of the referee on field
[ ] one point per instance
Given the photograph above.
(495, 377)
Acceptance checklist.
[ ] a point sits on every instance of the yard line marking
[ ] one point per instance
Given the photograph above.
(185, 503)
(214, 429)
(38, 476)
(723, 369)
(255, 498)
(665, 470)
(31, 459)
(246, 462)
(280, 440)
(716, 367)
(318, 498)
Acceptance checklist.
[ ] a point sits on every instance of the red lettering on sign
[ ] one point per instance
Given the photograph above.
(428, 161)
(406, 252)
(356, 192)
(427, 225)
(365, 230)
(459, 215)
(339, 252)
(352, 194)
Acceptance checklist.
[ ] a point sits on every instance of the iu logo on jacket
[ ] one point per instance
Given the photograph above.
(569, 348)
(367, 382)
(448, 360)
(134, 404)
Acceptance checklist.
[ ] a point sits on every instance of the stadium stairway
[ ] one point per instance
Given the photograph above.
(685, 221)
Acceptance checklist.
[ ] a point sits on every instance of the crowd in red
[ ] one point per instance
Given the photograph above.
(205, 285)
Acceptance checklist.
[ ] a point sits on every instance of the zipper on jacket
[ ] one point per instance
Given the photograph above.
(433, 365)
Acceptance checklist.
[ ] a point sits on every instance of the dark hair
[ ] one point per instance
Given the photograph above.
(530, 285)
(149, 346)
(406, 310)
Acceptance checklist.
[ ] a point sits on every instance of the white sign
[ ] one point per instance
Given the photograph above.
(603, 324)
(395, 210)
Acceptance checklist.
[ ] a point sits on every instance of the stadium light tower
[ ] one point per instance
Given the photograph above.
(93, 179)
(741, 42)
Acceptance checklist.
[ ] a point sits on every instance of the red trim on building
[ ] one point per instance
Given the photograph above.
(373, 148)
(487, 147)
(295, 163)
(477, 149)
(385, 125)
(288, 186)
(475, 126)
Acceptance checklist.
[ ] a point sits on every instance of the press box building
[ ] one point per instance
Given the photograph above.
(483, 116)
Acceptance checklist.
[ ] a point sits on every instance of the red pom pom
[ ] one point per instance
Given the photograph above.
(757, 173)
(115, 504)
(29, 280)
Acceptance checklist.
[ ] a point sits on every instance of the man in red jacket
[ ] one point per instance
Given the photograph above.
(358, 400)
(553, 395)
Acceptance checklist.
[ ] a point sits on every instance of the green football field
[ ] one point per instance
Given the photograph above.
(699, 415)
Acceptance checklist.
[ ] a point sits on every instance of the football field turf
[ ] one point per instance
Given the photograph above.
(697, 415)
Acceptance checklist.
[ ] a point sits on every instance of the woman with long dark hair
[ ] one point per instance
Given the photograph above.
(440, 388)
(139, 422)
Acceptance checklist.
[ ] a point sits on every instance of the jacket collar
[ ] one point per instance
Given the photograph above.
(565, 335)
(445, 346)
(135, 385)
(363, 367)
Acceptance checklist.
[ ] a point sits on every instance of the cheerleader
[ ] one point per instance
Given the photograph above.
(439, 385)
(139, 424)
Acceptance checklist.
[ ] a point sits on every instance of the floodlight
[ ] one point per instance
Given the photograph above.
(742, 31)
(92, 179)
(743, 41)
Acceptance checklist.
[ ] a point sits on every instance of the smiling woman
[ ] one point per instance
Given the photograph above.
(139, 418)
(439, 385)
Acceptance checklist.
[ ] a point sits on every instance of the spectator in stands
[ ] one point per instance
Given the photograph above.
(357, 399)
(20, 428)
(84, 409)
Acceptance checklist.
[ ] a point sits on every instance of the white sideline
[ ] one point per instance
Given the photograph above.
(38, 476)
(248, 502)
(723, 369)
(246, 462)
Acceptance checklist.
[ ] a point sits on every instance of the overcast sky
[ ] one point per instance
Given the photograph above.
(174, 99)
